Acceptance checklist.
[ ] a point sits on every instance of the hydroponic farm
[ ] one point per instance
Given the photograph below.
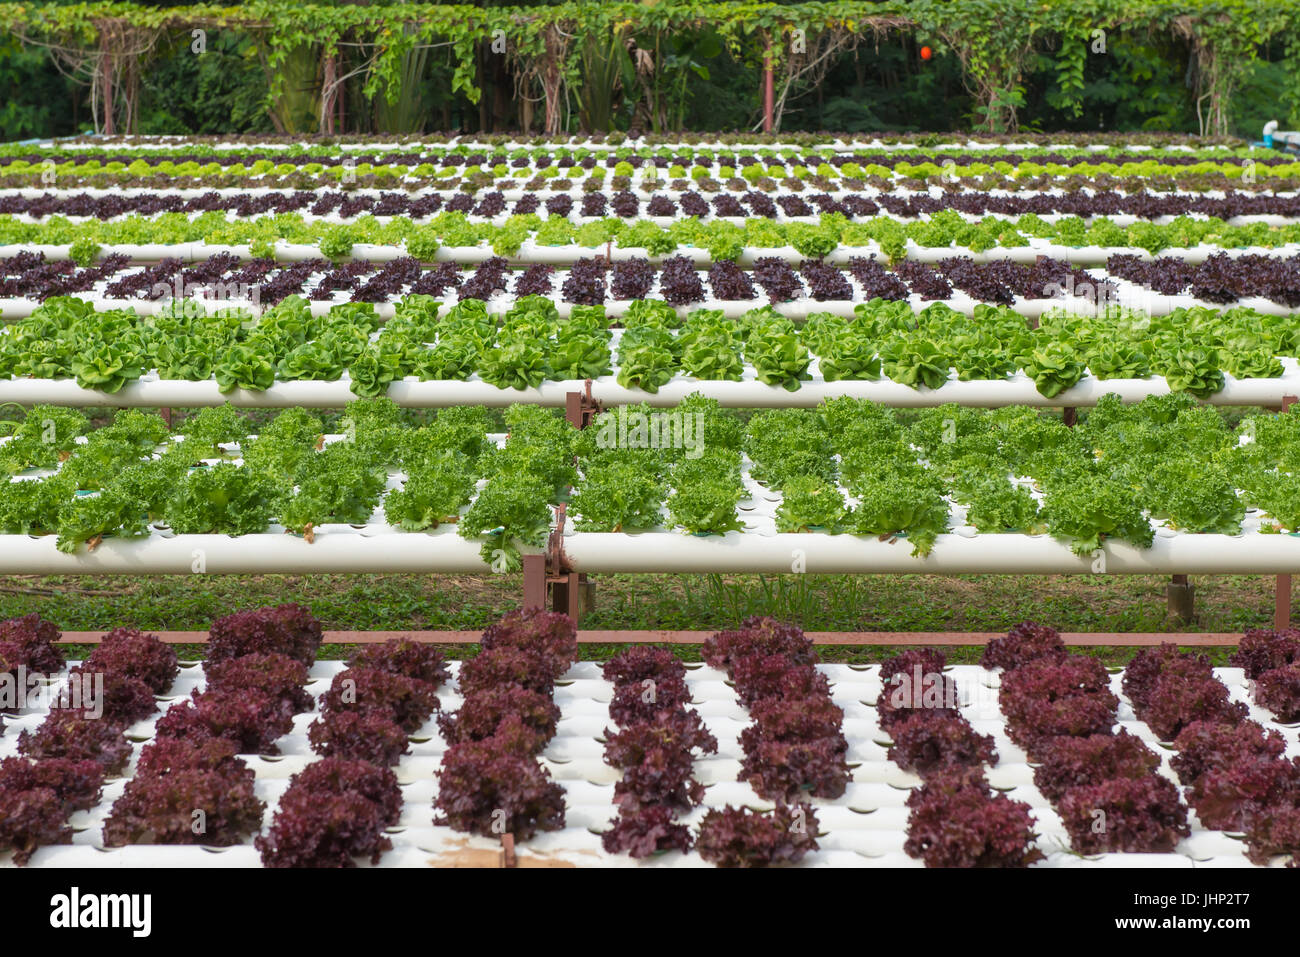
(679, 435)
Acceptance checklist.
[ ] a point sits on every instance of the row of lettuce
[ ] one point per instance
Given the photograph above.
(723, 238)
(1108, 789)
(344, 205)
(1121, 472)
(191, 787)
(478, 154)
(1193, 349)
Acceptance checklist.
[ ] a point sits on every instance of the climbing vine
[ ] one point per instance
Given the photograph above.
(994, 41)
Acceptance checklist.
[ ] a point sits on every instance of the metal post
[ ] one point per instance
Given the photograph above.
(534, 581)
(1282, 603)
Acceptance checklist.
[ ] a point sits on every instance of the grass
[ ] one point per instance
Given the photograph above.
(698, 602)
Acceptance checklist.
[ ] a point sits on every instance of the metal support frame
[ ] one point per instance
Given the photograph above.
(580, 407)
(1282, 590)
(550, 576)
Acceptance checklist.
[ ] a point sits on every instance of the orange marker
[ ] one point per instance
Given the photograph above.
(925, 53)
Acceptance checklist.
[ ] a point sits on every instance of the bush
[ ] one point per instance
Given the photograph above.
(758, 636)
(29, 641)
(360, 736)
(1263, 649)
(125, 700)
(252, 721)
(327, 830)
(130, 652)
(549, 635)
(775, 676)
(1073, 761)
(501, 666)
(1025, 642)
(407, 702)
(1205, 745)
(274, 675)
(956, 822)
(1135, 816)
(71, 735)
(1278, 691)
(639, 663)
(29, 819)
(1175, 701)
(287, 629)
(928, 743)
(1147, 665)
(1226, 797)
(401, 656)
(646, 831)
(478, 780)
(483, 712)
(740, 837)
(78, 784)
(162, 810)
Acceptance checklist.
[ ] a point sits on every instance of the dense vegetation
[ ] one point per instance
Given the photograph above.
(1215, 67)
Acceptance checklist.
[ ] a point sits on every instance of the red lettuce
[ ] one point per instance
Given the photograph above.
(741, 837)
(1140, 815)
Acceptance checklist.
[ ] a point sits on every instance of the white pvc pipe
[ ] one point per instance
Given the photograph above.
(531, 253)
(656, 552)
(342, 551)
(1017, 390)
(412, 393)
(814, 553)
(1135, 298)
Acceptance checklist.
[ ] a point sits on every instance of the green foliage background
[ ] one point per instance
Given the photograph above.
(711, 81)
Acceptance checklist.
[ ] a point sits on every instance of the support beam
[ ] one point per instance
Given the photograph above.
(1181, 597)
(846, 638)
(1282, 603)
(534, 581)
(1282, 588)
